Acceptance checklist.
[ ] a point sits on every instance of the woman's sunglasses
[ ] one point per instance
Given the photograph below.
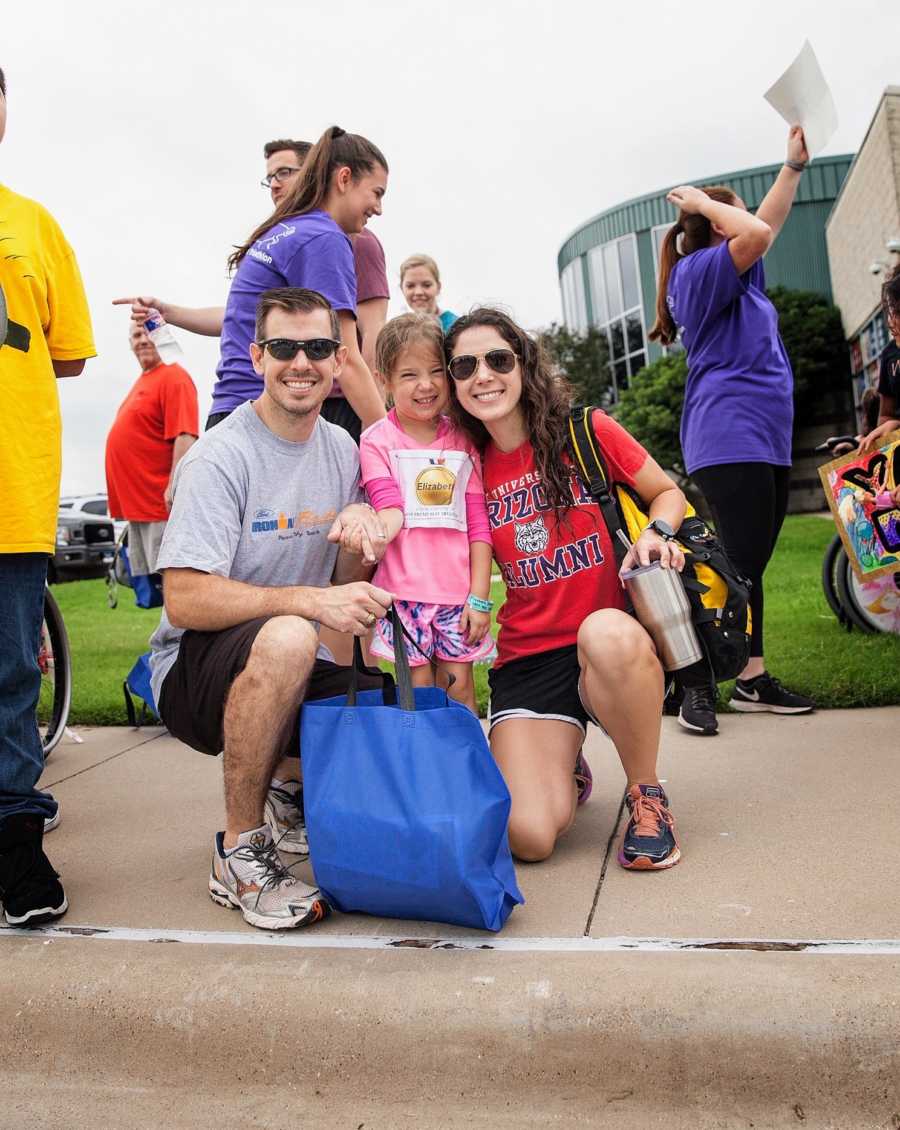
(286, 349)
(465, 366)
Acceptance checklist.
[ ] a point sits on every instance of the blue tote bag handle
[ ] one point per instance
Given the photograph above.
(404, 693)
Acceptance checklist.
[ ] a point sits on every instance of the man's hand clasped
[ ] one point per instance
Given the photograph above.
(353, 607)
(359, 530)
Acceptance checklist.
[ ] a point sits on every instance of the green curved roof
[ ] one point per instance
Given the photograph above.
(820, 184)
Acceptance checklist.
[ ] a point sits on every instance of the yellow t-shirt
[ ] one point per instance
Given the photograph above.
(44, 293)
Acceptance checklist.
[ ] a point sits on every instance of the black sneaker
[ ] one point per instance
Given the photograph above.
(698, 711)
(765, 693)
(30, 889)
(649, 843)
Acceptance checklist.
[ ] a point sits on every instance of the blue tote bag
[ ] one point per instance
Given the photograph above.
(406, 810)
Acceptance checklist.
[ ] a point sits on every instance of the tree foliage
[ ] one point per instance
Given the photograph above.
(583, 359)
(650, 408)
(813, 336)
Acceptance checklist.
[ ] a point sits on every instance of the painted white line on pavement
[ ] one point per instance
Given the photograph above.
(301, 939)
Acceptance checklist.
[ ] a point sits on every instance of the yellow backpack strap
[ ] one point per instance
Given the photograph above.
(592, 467)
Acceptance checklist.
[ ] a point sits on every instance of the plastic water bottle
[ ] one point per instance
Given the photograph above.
(167, 346)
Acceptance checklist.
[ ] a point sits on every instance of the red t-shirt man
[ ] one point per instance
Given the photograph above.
(157, 422)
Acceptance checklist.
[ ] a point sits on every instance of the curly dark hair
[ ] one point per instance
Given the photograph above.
(890, 294)
(546, 396)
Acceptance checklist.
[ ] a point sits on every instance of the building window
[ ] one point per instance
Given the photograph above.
(616, 306)
(574, 305)
(657, 235)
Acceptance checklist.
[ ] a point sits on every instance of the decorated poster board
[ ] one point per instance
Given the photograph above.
(869, 525)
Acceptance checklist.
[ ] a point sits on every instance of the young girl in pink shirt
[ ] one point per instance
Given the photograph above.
(423, 476)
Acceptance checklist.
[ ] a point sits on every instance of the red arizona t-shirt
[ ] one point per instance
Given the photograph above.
(556, 573)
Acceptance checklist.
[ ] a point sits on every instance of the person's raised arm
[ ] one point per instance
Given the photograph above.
(748, 237)
(205, 320)
(780, 197)
(371, 315)
(357, 381)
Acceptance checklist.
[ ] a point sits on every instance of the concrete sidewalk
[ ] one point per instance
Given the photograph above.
(696, 997)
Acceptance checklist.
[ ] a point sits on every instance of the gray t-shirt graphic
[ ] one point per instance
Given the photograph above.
(257, 508)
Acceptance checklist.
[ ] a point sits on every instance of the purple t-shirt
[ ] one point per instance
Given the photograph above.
(309, 251)
(739, 402)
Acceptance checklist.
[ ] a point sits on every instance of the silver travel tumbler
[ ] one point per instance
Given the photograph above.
(661, 605)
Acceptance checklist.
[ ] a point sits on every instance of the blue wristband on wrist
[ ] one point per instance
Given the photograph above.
(478, 604)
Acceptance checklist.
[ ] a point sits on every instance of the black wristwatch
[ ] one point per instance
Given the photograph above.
(661, 527)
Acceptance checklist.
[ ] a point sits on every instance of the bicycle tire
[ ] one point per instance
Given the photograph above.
(829, 581)
(844, 573)
(877, 601)
(57, 679)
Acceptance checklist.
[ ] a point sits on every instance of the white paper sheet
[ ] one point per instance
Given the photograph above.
(803, 97)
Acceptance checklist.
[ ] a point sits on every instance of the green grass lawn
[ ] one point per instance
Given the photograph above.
(806, 647)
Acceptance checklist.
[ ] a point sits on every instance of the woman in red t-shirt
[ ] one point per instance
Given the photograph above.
(568, 653)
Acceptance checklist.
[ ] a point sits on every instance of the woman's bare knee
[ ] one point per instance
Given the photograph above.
(611, 638)
(531, 841)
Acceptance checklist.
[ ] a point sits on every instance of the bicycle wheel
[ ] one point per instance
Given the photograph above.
(833, 555)
(845, 577)
(876, 601)
(55, 662)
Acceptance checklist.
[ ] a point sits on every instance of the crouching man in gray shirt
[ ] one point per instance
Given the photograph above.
(251, 567)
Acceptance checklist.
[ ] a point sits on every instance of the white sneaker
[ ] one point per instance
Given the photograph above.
(53, 821)
(251, 878)
(284, 815)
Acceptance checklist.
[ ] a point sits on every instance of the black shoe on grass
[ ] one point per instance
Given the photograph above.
(765, 693)
(30, 889)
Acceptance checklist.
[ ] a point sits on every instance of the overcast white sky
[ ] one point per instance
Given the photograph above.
(506, 125)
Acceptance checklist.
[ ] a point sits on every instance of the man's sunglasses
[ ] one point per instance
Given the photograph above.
(465, 366)
(286, 349)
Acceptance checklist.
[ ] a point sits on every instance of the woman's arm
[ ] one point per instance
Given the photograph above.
(748, 236)
(665, 501)
(205, 320)
(780, 197)
(357, 381)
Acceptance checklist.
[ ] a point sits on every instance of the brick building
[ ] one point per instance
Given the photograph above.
(863, 238)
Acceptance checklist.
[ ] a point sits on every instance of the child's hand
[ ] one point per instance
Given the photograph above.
(476, 624)
(868, 442)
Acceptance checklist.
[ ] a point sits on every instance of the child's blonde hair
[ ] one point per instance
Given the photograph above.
(420, 261)
(399, 333)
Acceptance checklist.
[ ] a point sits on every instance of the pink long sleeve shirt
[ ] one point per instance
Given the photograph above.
(439, 490)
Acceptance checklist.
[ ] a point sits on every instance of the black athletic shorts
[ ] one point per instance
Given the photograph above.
(192, 697)
(337, 410)
(543, 686)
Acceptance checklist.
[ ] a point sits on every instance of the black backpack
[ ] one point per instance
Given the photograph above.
(719, 596)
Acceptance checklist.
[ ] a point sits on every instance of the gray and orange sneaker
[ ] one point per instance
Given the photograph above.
(250, 878)
(284, 815)
(649, 843)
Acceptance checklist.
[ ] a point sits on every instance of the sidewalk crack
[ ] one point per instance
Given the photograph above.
(97, 764)
(606, 858)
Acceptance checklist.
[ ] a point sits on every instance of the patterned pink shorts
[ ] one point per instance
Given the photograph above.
(435, 628)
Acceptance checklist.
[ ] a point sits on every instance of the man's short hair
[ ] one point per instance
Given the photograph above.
(295, 300)
(3, 83)
(301, 148)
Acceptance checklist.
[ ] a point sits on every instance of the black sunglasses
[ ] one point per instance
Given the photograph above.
(286, 349)
(465, 366)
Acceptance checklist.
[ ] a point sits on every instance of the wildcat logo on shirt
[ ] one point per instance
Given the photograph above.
(532, 537)
(286, 526)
